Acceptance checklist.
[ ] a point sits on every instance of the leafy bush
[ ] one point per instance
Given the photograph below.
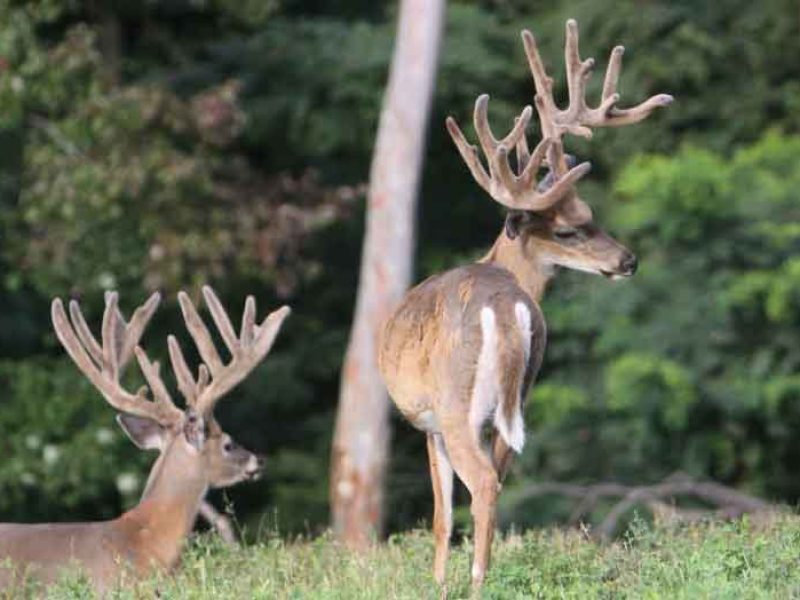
(692, 365)
(63, 452)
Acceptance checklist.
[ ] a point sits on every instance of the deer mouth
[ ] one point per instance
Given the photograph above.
(616, 275)
(253, 475)
(255, 468)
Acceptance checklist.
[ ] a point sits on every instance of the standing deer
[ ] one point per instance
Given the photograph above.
(461, 351)
(194, 452)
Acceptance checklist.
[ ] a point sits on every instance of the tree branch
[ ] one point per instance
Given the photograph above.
(729, 503)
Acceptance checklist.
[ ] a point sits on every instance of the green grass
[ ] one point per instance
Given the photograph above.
(714, 560)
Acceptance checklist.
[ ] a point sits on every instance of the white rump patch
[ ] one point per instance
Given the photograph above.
(514, 433)
(486, 390)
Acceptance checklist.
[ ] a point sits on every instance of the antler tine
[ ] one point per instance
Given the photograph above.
(109, 336)
(469, 153)
(545, 104)
(247, 350)
(489, 143)
(200, 335)
(578, 74)
(612, 72)
(523, 153)
(152, 374)
(222, 321)
(101, 365)
(625, 116)
(247, 330)
(186, 383)
(135, 327)
(87, 340)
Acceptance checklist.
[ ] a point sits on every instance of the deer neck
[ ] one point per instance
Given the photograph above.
(169, 506)
(531, 271)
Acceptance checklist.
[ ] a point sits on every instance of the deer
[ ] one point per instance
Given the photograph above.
(462, 349)
(195, 454)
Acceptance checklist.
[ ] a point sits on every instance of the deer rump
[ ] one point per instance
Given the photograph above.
(485, 343)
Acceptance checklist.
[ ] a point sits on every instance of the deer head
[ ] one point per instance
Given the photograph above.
(189, 441)
(225, 461)
(548, 220)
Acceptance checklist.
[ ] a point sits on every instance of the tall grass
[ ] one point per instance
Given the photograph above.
(712, 560)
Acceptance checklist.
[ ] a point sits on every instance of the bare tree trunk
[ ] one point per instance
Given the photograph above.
(361, 438)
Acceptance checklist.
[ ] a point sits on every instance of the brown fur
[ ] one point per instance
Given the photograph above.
(430, 348)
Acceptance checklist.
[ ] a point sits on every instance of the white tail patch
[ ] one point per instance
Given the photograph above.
(514, 433)
(524, 323)
(485, 391)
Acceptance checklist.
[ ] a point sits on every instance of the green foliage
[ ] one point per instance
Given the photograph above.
(550, 403)
(63, 450)
(164, 145)
(116, 181)
(663, 385)
(691, 365)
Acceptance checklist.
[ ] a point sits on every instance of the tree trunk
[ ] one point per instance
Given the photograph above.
(361, 437)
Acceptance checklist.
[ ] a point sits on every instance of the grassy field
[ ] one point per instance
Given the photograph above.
(714, 560)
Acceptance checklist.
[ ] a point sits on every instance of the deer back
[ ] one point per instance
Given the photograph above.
(432, 344)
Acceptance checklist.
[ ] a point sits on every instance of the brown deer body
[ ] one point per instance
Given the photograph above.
(194, 453)
(460, 352)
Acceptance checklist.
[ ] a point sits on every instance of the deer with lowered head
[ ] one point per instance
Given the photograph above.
(461, 351)
(195, 454)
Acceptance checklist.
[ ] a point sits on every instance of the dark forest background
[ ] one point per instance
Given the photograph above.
(165, 144)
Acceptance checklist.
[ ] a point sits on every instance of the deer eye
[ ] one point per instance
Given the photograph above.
(229, 446)
(565, 233)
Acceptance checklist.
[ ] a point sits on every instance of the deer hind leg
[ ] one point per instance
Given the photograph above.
(475, 469)
(442, 481)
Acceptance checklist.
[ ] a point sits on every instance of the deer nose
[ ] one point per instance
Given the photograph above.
(628, 264)
(261, 461)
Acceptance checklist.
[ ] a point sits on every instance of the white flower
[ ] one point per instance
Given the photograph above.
(50, 453)
(127, 483)
(32, 441)
(157, 252)
(106, 281)
(104, 436)
(27, 478)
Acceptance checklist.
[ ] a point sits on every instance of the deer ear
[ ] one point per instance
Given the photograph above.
(145, 433)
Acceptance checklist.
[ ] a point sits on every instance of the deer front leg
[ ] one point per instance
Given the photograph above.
(220, 522)
(475, 469)
(442, 482)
